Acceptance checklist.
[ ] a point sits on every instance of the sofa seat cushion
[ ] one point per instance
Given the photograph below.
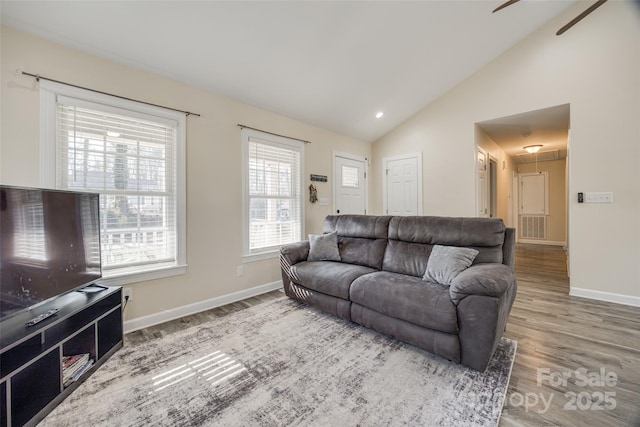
(328, 277)
(407, 298)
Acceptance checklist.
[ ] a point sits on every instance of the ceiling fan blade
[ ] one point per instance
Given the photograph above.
(503, 5)
(578, 18)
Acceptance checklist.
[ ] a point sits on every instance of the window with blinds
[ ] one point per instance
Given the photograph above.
(273, 201)
(131, 153)
(130, 158)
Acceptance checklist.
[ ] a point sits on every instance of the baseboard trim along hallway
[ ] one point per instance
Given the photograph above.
(605, 296)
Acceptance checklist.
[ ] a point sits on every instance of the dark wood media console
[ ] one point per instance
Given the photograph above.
(31, 374)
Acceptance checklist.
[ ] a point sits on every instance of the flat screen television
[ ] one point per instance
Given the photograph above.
(49, 245)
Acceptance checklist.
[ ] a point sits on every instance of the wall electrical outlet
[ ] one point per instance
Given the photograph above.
(127, 293)
(240, 271)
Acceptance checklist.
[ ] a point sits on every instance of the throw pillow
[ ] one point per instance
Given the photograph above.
(323, 247)
(446, 262)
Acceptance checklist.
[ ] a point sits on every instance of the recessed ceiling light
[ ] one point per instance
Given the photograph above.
(379, 114)
(113, 134)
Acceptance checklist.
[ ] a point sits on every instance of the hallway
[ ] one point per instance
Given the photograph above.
(558, 334)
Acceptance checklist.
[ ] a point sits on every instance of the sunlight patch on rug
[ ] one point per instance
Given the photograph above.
(215, 367)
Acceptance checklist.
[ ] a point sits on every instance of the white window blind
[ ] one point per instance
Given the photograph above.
(130, 159)
(350, 177)
(30, 239)
(274, 197)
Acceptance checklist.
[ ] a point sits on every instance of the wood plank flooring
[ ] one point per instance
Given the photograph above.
(557, 334)
(168, 328)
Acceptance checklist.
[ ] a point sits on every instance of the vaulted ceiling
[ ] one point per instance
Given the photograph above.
(330, 64)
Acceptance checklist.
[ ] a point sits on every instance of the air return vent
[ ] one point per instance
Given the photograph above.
(533, 227)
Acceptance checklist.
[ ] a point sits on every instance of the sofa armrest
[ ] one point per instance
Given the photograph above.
(484, 295)
(290, 255)
(491, 280)
(294, 253)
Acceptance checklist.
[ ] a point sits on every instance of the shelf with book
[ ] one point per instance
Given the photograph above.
(43, 364)
(77, 351)
(73, 367)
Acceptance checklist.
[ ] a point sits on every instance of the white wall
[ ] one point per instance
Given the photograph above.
(214, 161)
(595, 67)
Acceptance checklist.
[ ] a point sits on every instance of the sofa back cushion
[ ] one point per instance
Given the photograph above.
(362, 239)
(363, 226)
(411, 240)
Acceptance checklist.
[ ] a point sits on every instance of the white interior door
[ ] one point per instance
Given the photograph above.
(482, 182)
(403, 181)
(350, 187)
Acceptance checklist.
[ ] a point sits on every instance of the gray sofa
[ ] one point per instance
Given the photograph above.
(378, 281)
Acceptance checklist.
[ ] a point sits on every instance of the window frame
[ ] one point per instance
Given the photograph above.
(49, 91)
(280, 142)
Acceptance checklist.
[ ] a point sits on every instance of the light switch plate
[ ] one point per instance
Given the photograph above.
(323, 201)
(600, 197)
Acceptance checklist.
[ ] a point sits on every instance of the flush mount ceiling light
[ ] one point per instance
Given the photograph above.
(533, 148)
(379, 114)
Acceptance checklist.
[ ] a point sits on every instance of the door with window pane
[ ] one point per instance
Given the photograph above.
(350, 186)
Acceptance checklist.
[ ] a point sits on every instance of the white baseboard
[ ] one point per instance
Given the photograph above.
(542, 242)
(186, 310)
(605, 296)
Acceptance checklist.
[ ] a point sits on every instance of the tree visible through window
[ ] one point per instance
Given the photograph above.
(133, 155)
(130, 162)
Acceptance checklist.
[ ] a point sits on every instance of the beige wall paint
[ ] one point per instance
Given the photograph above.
(214, 179)
(556, 220)
(595, 67)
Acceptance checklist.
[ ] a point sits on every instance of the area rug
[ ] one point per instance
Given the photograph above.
(282, 363)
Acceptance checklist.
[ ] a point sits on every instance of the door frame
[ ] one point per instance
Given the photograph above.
(365, 161)
(481, 200)
(492, 193)
(515, 204)
(385, 163)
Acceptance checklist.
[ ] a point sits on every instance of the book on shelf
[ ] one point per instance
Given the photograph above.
(68, 361)
(82, 370)
(74, 366)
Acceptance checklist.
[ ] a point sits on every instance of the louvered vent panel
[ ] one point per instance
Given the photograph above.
(534, 227)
